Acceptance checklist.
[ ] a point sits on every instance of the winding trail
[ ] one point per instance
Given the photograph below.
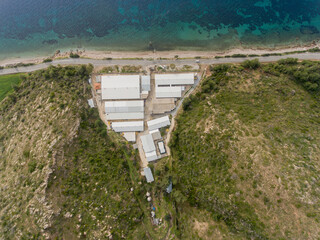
(144, 62)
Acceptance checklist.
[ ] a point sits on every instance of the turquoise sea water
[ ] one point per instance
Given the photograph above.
(40, 27)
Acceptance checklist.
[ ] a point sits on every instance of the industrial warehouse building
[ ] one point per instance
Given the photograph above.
(149, 148)
(133, 126)
(172, 85)
(178, 79)
(122, 110)
(120, 87)
(158, 123)
(168, 92)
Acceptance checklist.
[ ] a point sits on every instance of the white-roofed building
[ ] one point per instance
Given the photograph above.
(130, 136)
(156, 135)
(145, 83)
(124, 106)
(148, 173)
(168, 92)
(151, 156)
(133, 126)
(120, 87)
(124, 110)
(149, 148)
(147, 143)
(90, 102)
(162, 149)
(177, 79)
(158, 123)
(125, 116)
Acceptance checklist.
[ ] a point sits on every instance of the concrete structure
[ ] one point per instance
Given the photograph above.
(149, 148)
(133, 126)
(158, 123)
(162, 105)
(148, 174)
(145, 83)
(120, 87)
(90, 102)
(124, 106)
(98, 79)
(144, 94)
(161, 147)
(147, 143)
(168, 92)
(177, 79)
(151, 156)
(130, 136)
(125, 116)
(156, 135)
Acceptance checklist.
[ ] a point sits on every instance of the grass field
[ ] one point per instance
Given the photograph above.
(7, 82)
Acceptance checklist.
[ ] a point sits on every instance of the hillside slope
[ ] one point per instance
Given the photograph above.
(61, 175)
(246, 154)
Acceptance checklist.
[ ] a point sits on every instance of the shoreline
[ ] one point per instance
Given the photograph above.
(103, 55)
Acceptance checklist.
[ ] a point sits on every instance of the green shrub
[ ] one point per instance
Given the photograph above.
(251, 64)
(74, 55)
(47, 60)
(238, 55)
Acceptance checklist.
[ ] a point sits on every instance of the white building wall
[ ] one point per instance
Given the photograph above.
(151, 156)
(147, 143)
(174, 79)
(158, 123)
(120, 87)
(124, 106)
(124, 116)
(148, 174)
(168, 92)
(145, 83)
(133, 126)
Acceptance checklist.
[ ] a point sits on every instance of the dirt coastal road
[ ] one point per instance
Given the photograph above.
(96, 63)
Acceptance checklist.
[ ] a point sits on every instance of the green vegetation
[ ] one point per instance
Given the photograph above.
(110, 69)
(246, 154)
(131, 69)
(47, 60)
(74, 55)
(62, 174)
(253, 64)
(8, 82)
(239, 55)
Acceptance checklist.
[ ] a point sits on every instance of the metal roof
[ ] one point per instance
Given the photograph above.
(125, 116)
(174, 79)
(168, 92)
(145, 83)
(148, 174)
(90, 102)
(151, 156)
(130, 136)
(133, 126)
(120, 87)
(161, 147)
(124, 106)
(158, 123)
(147, 143)
(156, 135)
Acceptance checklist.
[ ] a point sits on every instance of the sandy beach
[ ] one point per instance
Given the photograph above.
(157, 54)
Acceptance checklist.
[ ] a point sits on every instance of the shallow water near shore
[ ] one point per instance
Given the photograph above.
(33, 28)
